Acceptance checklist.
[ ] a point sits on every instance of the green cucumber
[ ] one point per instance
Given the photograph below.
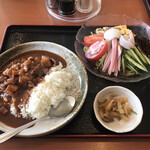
(129, 73)
(147, 59)
(133, 69)
(144, 56)
(136, 57)
(103, 59)
(135, 63)
(85, 48)
(100, 62)
(140, 55)
(123, 64)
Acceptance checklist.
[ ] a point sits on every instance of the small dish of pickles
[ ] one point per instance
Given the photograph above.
(118, 109)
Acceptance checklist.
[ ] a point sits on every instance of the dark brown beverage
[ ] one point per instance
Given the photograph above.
(66, 7)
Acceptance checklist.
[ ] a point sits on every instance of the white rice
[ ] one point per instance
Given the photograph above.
(61, 82)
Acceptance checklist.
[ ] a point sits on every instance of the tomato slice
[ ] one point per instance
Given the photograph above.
(96, 50)
(91, 39)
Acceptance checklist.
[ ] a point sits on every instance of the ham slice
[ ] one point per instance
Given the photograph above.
(107, 61)
(113, 59)
(118, 59)
(109, 45)
(113, 56)
(119, 56)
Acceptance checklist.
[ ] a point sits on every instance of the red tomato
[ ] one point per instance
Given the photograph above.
(96, 50)
(89, 40)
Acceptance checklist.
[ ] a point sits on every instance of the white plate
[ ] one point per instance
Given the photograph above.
(49, 125)
(120, 126)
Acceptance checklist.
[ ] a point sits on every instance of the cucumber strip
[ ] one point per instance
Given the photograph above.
(136, 57)
(92, 33)
(103, 59)
(140, 55)
(135, 63)
(129, 73)
(85, 48)
(147, 59)
(133, 69)
(130, 68)
(129, 53)
(123, 64)
(100, 62)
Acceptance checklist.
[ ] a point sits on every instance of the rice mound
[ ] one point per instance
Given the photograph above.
(59, 83)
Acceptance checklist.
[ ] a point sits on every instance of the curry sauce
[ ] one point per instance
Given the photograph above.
(17, 79)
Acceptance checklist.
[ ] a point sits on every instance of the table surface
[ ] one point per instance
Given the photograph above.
(33, 12)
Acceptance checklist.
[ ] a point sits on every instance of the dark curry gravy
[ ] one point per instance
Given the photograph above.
(17, 79)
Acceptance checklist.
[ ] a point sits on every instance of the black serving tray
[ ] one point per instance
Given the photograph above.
(85, 123)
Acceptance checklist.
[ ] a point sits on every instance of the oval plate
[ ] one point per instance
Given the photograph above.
(53, 124)
(138, 27)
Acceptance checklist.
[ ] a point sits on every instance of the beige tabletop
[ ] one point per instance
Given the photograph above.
(33, 12)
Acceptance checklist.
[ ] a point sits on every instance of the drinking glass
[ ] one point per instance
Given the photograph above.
(85, 6)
